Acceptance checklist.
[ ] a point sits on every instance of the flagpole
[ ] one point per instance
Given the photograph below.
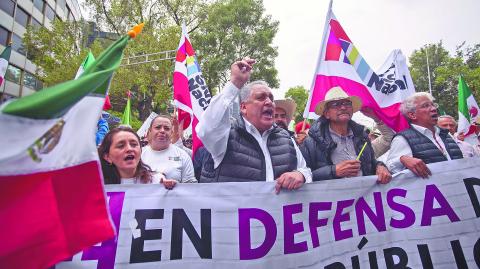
(306, 111)
(428, 72)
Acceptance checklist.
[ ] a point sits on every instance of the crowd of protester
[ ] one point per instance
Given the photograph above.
(258, 146)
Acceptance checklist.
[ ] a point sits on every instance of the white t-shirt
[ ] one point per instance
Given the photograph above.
(156, 179)
(173, 162)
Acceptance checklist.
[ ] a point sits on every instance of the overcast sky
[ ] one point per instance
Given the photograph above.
(376, 27)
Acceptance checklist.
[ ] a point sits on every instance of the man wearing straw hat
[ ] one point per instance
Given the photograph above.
(337, 147)
(284, 110)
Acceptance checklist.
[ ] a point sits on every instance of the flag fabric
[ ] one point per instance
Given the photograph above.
(86, 63)
(126, 112)
(340, 64)
(89, 60)
(468, 110)
(4, 59)
(190, 92)
(52, 202)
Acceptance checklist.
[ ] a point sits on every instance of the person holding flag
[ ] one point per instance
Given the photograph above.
(338, 147)
(250, 148)
(120, 154)
(40, 170)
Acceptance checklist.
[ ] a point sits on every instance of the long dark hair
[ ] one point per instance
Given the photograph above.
(110, 171)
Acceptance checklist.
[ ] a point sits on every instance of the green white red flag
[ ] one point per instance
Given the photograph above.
(52, 202)
(468, 110)
(89, 60)
(4, 59)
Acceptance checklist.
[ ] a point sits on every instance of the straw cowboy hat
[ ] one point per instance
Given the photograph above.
(288, 105)
(334, 94)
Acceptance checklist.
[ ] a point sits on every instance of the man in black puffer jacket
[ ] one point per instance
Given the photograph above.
(252, 147)
(335, 141)
(423, 142)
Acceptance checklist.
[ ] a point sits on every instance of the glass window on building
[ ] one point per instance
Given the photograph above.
(29, 80)
(17, 44)
(49, 12)
(8, 6)
(36, 23)
(62, 4)
(69, 14)
(4, 36)
(38, 85)
(13, 74)
(39, 4)
(22, 17)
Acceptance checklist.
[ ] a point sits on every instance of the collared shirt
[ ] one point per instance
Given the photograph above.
(214, 129)
(400, 147)
(345, 149)
(467, 149)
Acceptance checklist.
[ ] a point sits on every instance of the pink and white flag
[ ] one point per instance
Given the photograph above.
(340, 64)
(190, 92)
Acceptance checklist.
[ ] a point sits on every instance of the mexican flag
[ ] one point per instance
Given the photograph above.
(52, 202)
(468, 110)
(89, 60)
(4, 58)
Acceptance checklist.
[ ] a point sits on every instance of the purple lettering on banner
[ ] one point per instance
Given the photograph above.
(244, 217)
(409, 218)
(105, 253)
(290, 229)
(314, 222)
(378, 219)
(433, 193)
(341, 217)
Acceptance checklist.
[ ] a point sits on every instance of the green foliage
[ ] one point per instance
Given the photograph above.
(221, 32)
(444, 72)
(150, 83)
(300, 95)
(56, 52)
(233, 30)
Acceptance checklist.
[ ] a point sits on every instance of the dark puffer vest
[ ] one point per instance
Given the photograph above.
(244, 160)
(318, 147)
(426, 150)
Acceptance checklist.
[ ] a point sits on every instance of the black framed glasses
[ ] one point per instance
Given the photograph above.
(340, 103)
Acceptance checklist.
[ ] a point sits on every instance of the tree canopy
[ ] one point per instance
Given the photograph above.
(445, 71)
(300, 95)
(220, 31)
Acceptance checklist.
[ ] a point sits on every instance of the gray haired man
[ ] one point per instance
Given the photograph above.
(250, 148)
(448, 122)
(423, 142)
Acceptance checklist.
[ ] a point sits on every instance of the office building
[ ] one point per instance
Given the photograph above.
(15, 16)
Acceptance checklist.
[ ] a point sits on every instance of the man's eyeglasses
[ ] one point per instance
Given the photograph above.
(428, 105)
(337, 104)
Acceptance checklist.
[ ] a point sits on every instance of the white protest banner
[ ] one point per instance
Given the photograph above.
(344, 223)
(146, 124)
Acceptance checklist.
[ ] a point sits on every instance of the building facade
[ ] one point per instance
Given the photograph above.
(15, 16)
